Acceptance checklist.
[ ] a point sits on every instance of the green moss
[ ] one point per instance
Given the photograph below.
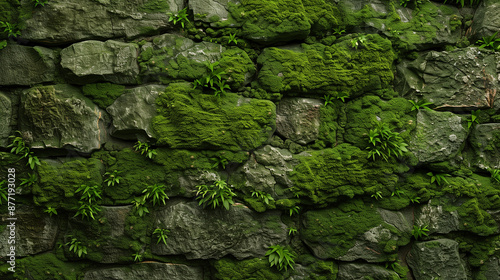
(58, 181)
(188, 119)
(44, 267)
(364, 113)
(137, 173)
(319, 269)
(238, 67)
(255, 269)
(337, 228)
(270, 21)
(320, 69)
(341, 172)
(475, 219)
(332, 121)
(103, 94)
(155, 6)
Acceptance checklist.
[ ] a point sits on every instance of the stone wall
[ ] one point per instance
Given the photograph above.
(361, 138)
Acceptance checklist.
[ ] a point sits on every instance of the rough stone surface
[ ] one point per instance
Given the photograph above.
(438, 136)
(61, 117)
(201, 233)
(486, 20)
(5, 119)
(278, 161)
(463, 79)
(355, 271)
(94, 61)
(21, 65)
(68, 21)
(485, 141)
(490, 270)
(437, 219)
(212, 10)
(437, 258)
(151, 270)
(133, 111)
(34, 232)
(177, 57)
(298, 119)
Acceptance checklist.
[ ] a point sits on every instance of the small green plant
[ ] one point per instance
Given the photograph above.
(385, 143)
(181, 17)
(338, 95)
(294, 210)
(137, 257)
(292, 231)
(10, 29)
(145, 149)
(440, 178)
(419, 232)
(232, 39)
(75, 246)
(495, 174)
(3, 192)
(219, 161)
(40, 2)
(338, 30)
(112, 178)
(20, 148)
(140, 206)
(415, 199)
(473, 118)
(89, 193)
(263, 196)
(280, 257)
(361, 39)
(397, 192)
(51, 211)
(87, 210)
(162, 235)
(377, 195)
(218, 194)
(420, 104)
(3, 44)
(157, 193)
(213, 80)
(328, 99)
(30, 181)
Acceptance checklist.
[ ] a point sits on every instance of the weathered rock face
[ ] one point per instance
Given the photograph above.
(486, 21)
(95, 61)
(189, 119)
(433, 24)
(437, 219)
(214, 11)
(171, 56)
(325, 69)
(437, 258)
(22, 65)
(132, 112)
(485, 140)
(298, 119)
(64, 21)
(278, 161)
(5, 119)
(61, 117)
(490, 270)
(439, 136)
(153, 271)
(354, 231)
(355, 271)
(201, 233)
(33, 234)
(435, 78)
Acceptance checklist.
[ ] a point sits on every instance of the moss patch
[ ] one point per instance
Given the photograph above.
(103, 94)
(255, 269)
(188, 119)
(324, 69)
(341, 172)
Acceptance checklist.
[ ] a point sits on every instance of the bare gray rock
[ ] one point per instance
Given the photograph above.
(150, 270)
(298, 119)
(21, 65)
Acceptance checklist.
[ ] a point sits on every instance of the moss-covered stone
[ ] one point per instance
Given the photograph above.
(188, 119)
(256, 269)
(342, 172)
(103, 94)
(44, 267)
(60, 179)
(321, 69)
(238, 67)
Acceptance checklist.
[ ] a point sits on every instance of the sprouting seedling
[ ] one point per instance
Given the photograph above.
(181, 16)
(232, 39)
(338, 31)
(473, 118)
(490, 42)
(377, 195)
(420, 104)
(438, 178)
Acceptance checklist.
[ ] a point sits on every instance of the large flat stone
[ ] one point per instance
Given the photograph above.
(21, 65)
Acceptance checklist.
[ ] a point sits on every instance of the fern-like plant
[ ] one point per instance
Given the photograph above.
(385, 143)
(280, 257)
(220, 194)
